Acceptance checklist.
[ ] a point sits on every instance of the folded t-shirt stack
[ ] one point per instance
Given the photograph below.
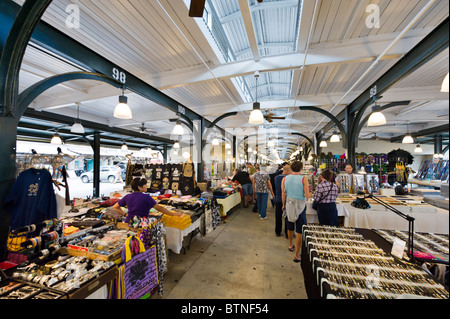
(177, 222)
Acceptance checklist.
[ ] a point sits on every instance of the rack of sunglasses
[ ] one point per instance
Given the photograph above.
(345, 265)
(427, 246)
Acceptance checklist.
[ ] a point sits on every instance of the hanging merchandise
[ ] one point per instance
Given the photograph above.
(373, 185)
(401, 173)
(165, 183)
(32, 199)
(140, 274)
(358, 183)
(187, 184)
(157, 177)
(345, 183)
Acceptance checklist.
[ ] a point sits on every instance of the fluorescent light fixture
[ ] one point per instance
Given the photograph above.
(256, 117)
(122, 110)
(445, 84)
(124, 147)
(418, 149)
(323, 144)
(56, 139)
(178, 129)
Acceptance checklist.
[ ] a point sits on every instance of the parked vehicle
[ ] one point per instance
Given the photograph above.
(107, 173)
(78, 172)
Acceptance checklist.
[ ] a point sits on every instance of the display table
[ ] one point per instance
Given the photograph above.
(378, 218)
(174, 236)
(356, 264)
(311, 214)
(228, 203)
(435, 184)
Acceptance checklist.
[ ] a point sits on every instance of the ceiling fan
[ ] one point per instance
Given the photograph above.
(198, 7)
(374, 137)
(143, 129)
(270, 117)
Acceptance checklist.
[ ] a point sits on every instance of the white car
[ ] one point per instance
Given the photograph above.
(107, 173)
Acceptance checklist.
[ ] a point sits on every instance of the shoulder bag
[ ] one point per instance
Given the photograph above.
(315, 203)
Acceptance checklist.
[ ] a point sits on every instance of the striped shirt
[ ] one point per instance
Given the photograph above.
(322, 190)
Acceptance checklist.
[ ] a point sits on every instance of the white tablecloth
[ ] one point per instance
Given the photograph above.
(380, 218)
(175, 236)
(227, 204)
(311, 214)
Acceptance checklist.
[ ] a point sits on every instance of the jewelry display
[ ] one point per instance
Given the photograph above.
(353, 267)
(426, 245)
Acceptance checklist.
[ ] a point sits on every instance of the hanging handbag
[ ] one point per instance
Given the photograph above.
(140, 271)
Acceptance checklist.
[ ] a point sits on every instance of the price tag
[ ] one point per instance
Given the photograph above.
(398, 248)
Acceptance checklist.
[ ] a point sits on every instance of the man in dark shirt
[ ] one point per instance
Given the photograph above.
(244, 179)
(279, 201)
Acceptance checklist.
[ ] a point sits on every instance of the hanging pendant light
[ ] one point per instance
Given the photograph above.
(256, 117)
(271, 143)
(178, 129)
(228, 146)
(376, 118)
(176, 145)
(335, 138)
(122, 110)
(408, 139)
(77, 128)
(445, 84)
(124, 147)
(323, 144)
(56, 140)
(418, 149)
(215, 142)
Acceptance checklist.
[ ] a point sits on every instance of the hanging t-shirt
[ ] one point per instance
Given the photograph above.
(32, 199)
(187, 184)
(165, 182)
(156, 179)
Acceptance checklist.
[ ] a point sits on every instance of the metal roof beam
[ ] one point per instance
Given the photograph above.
(52, 117)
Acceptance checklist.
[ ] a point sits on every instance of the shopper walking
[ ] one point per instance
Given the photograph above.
(279, 200)
(262, 186)
(245, 180)
(295, 192)
(325, 196)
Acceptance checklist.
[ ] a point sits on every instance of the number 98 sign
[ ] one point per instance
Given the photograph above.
(119, 76)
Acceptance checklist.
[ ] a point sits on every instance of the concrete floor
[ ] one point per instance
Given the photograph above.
(241, 259)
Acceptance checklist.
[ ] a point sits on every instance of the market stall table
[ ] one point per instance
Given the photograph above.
(378, 218)
(175, 236)
(356, 264)
(311, 214)
(228, 203)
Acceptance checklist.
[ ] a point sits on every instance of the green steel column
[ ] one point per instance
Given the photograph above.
(96, 191)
